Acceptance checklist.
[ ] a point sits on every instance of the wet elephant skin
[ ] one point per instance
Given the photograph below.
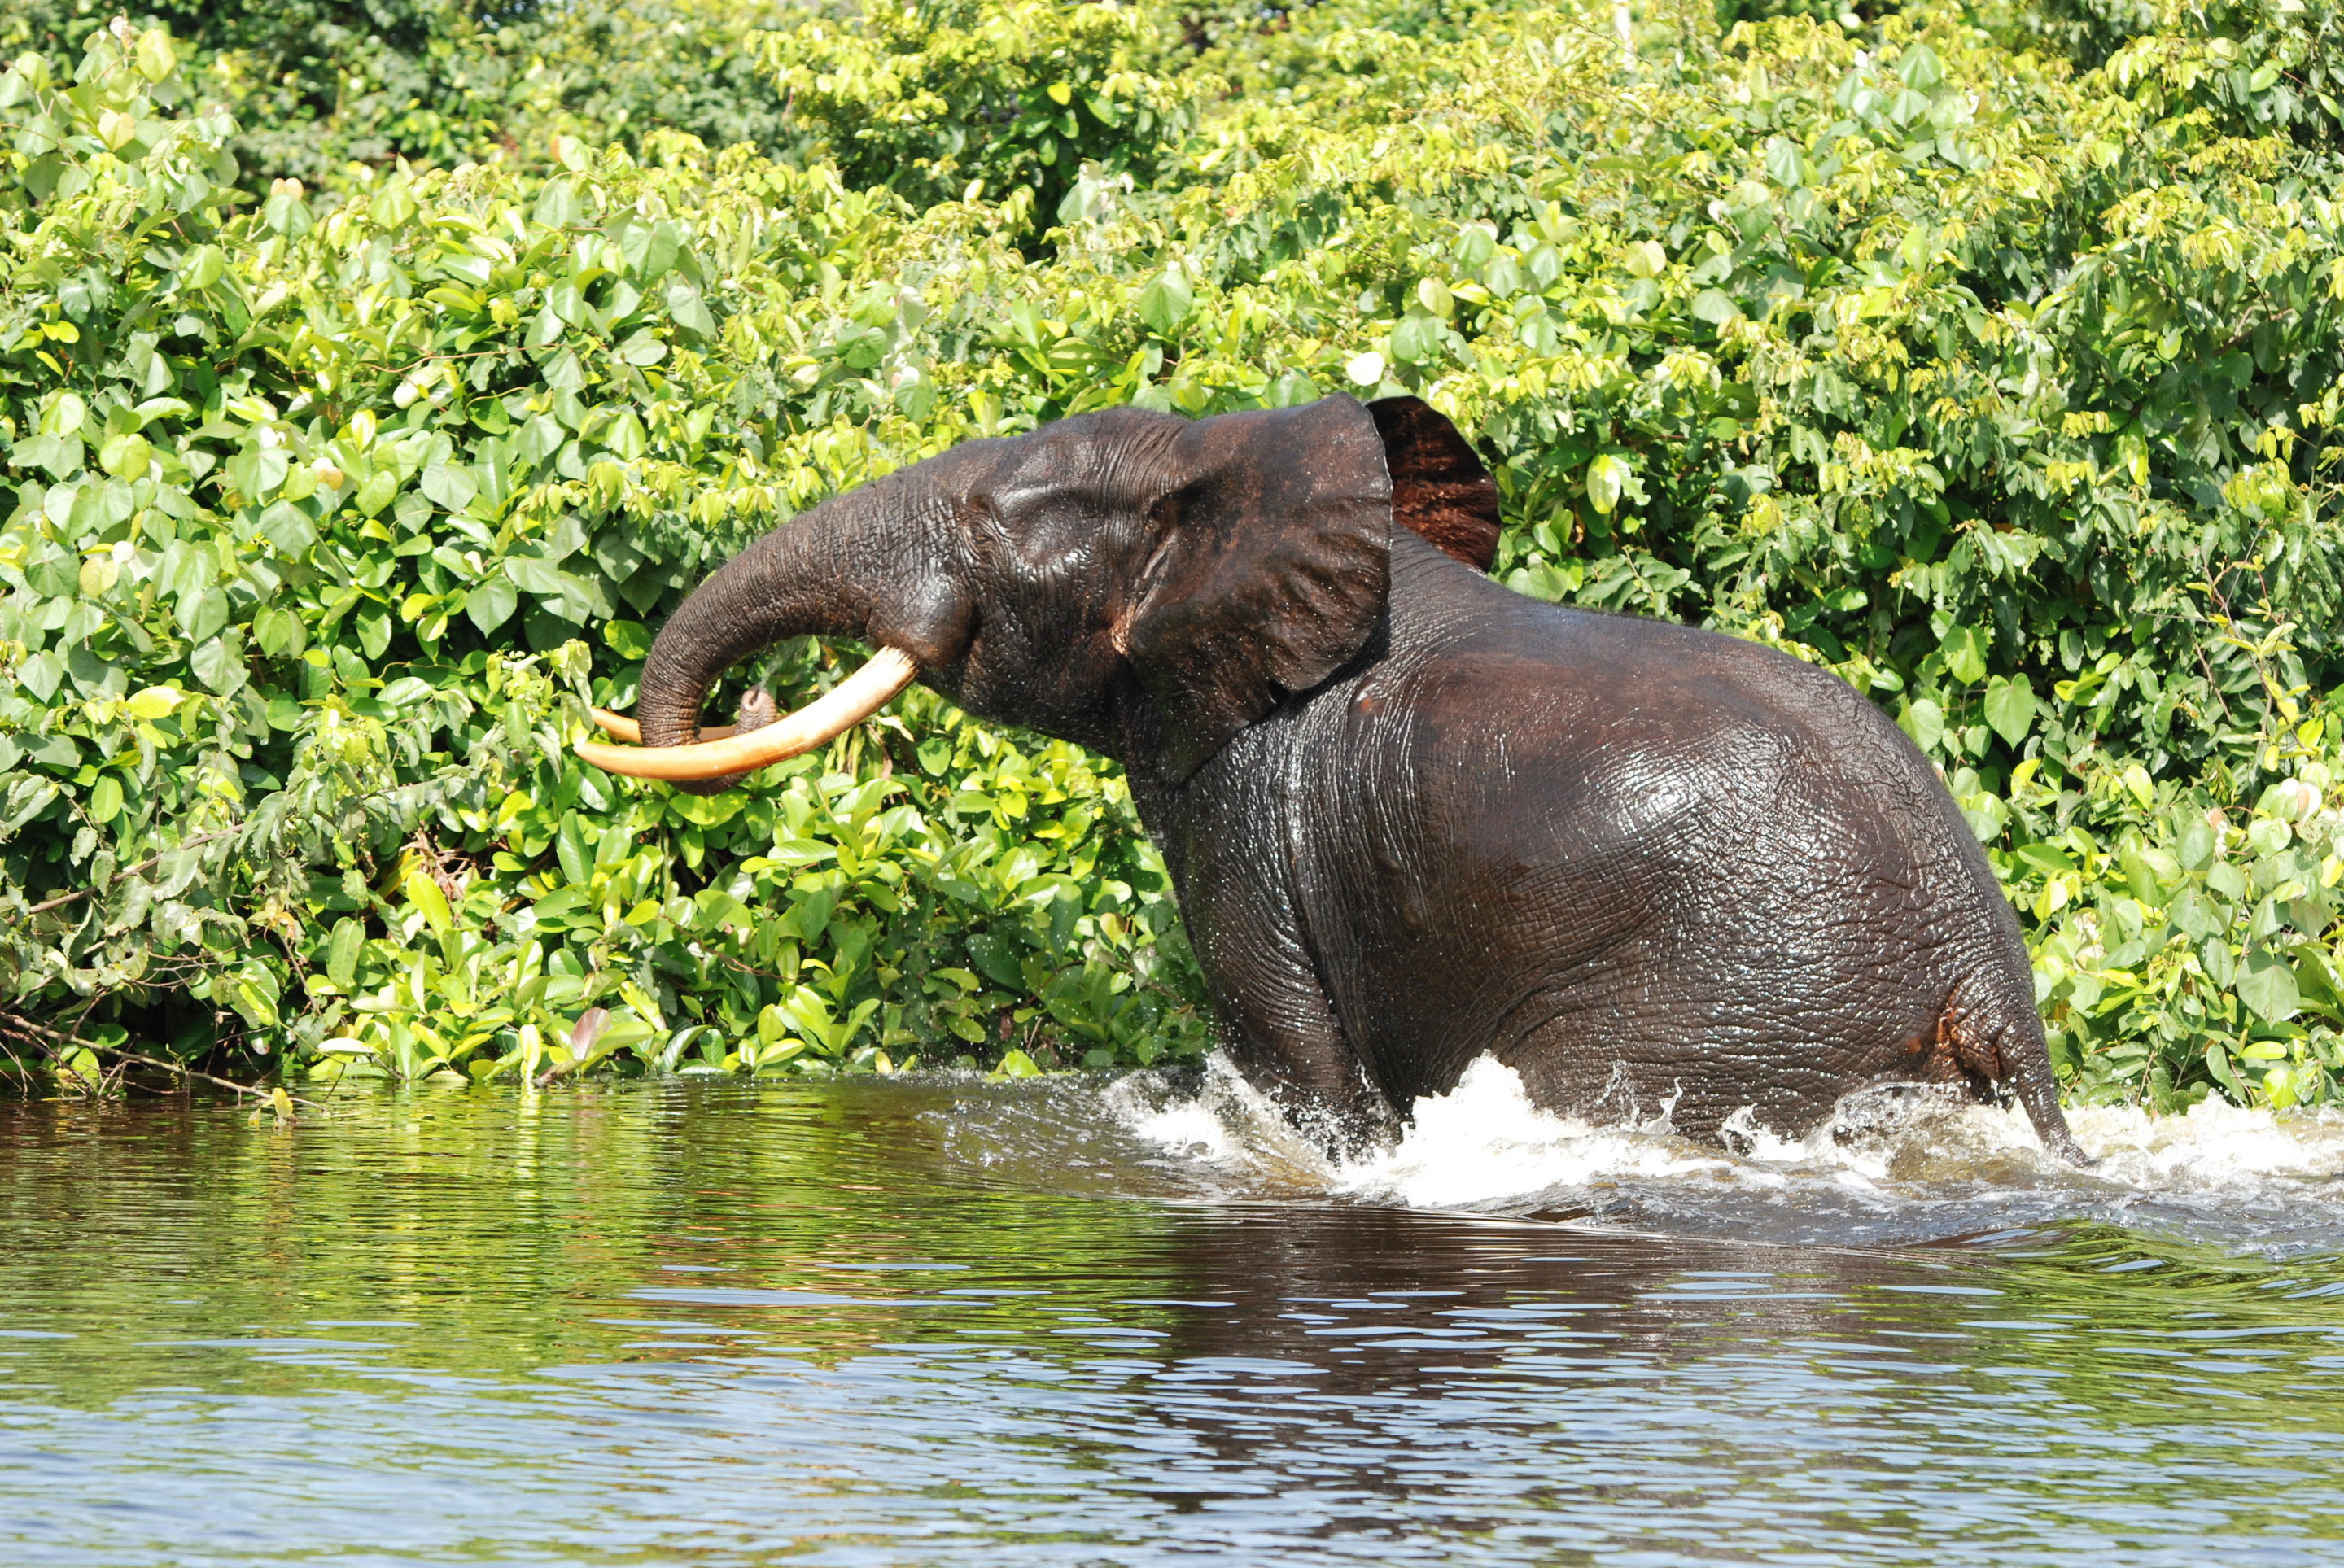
(1412, 817)
(1650, 868)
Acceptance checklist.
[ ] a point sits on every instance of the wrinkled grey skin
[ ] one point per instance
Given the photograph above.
(1413, 817)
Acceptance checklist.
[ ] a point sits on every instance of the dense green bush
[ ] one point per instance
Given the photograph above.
(316, 85)
(315, 82)
(2001, 387)
(312, 487)
(2250, 66)
(1012, 98)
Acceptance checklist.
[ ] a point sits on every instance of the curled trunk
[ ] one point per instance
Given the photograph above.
(806, 577)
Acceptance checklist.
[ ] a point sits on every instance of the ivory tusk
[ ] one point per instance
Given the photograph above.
(818, 723)
(618, 727)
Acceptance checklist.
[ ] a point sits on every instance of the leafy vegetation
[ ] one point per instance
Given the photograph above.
(2001, 383)
(316, 84)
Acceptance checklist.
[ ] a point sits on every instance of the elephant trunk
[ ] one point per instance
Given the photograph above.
(810, 577)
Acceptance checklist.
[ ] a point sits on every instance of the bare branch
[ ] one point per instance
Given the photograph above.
(51, 1041)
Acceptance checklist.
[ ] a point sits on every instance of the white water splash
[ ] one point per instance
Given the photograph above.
(1226, 1127)
(1889, 1167)
(1485, 1140)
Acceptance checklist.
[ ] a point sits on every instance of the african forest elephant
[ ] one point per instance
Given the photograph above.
(1411, 816)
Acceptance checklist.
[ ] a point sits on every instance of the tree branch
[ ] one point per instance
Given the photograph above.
(148, 864)
(41, 1037)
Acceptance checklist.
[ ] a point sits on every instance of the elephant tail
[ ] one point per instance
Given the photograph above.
(1993, 1030)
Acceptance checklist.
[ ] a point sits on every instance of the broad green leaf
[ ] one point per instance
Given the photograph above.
(687, 310)
(2196, 915)
(490, 603)
(539, 439)
(628, 638)
(1607, 475)
(218, 664)
(257, 470)
(278, 632)
(1715, 307)
(203, 614)
(707, 810)
(41, 674)
(452, 484)
(392, 206)
(1924, 721)
(1920, 67)
(1417, 340)
(124, 456)
(287, 527)
(287, 213)
(625, 437)
(1964, 649)
(203, 267)
(254, 991)
(569, 844)
(423, 894)
(2010, 708)
(2265, 983)
(649, 249)
(154, 53)
(154, 702)
(1165, 302)
(1783, 163)
(536, 574)
(558, 205)
(377, 492)
(58, 455)
(342, 953)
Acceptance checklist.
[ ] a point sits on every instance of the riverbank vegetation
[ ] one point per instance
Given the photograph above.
(374, 377)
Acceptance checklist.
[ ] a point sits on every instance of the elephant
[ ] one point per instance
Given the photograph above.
(1411, 816)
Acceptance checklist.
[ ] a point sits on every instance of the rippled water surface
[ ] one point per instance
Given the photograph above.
(1066, 1323)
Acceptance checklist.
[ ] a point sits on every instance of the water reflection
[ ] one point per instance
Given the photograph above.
(945, 1322)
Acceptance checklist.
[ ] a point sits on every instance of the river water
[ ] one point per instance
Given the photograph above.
(1069, 1321)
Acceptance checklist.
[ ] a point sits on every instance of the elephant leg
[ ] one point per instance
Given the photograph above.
(1279, 1025)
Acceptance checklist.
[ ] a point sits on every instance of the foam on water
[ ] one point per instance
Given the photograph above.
(1485, 1140)
(1892, 1166)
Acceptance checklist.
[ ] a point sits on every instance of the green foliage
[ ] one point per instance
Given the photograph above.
(314, 83)
(616, 71)
(1009, 98)
(2185, 944)
(294, 494)
(2250, 67)
(2001, 386)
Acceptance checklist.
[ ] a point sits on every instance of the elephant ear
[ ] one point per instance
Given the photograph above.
(1270, 569)
(1440, 491)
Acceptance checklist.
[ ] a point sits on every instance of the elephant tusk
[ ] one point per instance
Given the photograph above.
(618, 727)
(818, 723)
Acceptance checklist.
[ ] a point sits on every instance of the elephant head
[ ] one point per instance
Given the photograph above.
(1140, 583)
